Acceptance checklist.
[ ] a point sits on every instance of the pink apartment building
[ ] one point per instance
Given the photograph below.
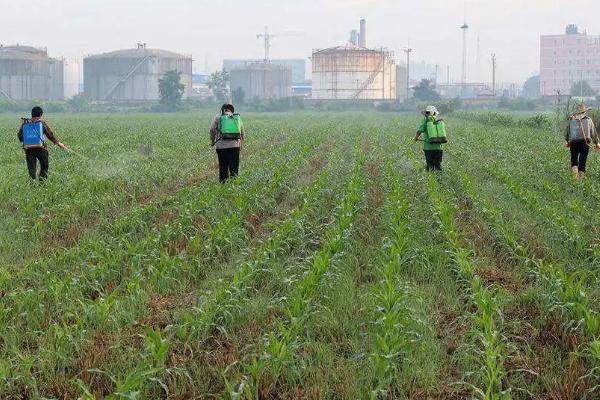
(567, 59)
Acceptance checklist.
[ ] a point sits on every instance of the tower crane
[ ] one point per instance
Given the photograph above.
(268, 37)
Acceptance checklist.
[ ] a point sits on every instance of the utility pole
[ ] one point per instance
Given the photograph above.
(465, 28)
(494, 75)
(448, 74)
(408, 50)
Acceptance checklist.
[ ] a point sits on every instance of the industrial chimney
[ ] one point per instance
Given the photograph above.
(362, 42)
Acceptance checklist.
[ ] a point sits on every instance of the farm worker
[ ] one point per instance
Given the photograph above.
(434, 137)
(227, 134)
(32, 135)
(579, 133)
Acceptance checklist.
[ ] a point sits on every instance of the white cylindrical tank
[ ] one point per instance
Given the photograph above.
(27, 73)
(262, 81)
(351, 72)
(72, 77)
(133, 74)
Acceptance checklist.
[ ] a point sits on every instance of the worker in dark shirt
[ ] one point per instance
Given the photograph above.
(32, 135)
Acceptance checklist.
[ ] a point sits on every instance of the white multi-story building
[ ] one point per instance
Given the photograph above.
(567, 59)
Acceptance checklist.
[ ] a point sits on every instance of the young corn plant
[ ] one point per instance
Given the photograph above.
(491, 351)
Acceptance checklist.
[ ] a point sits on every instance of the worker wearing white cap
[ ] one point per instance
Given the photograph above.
(433, 130)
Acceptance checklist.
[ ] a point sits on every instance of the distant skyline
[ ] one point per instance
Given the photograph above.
(214, 30)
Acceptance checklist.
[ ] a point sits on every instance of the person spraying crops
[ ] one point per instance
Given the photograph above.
(227, 134)
(434, 135)
(579, 134)
(32, 135)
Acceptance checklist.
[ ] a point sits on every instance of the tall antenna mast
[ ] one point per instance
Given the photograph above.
(478, 60)
(465, 28)
(408, 50)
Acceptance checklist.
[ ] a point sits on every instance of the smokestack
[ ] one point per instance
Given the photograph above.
(362, 39)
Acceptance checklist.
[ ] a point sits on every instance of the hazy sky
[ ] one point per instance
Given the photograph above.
(211, 30)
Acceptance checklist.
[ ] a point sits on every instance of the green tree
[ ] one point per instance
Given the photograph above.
(171, 89)
(77, 103)
(238, 96)
(531, 88)
(425, 91)
(218, 82)
(583, 89)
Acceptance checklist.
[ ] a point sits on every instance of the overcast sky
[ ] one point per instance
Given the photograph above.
(211, 30)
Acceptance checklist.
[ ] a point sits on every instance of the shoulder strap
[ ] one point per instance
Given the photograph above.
(582, 130)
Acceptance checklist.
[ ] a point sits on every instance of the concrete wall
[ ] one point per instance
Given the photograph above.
(353, 73)
(262, 81)
(102, 74)
(31, 79)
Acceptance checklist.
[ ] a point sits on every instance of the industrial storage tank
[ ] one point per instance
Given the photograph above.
(262, 80)
(401, 86)
(133, 74)
(353, 73)
(27, 73)
(72, 77)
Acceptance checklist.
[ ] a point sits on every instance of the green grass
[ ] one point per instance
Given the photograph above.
(333, 267)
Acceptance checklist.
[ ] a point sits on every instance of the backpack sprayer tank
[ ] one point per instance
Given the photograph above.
(231, 126)
(33, 134)
(579, 130)
(436, 131)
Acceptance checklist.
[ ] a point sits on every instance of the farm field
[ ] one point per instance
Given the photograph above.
(334, 267)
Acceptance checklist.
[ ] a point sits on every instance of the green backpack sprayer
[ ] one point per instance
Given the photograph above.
(231, 127)
(436, 130)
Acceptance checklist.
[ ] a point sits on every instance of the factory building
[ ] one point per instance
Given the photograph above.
(298, 67)
(28, 73)
(353, 71)
(262, 81)
(567, 59)
(126, 75)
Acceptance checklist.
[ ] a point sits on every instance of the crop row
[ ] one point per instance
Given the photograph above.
(279, 347)
(393, 328)
(488, 343)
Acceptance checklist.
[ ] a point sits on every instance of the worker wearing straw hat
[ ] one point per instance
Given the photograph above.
(579, 134)
(32, 135)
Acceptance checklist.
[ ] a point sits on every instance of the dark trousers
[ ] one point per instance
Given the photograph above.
(33, 156)
(433, 158)
(579, 154)
(229, 163)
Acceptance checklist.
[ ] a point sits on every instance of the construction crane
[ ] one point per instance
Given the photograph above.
(268, 37)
